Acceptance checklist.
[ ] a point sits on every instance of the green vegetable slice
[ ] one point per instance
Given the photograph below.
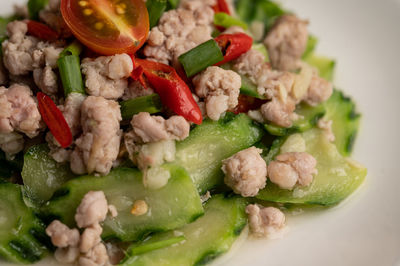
(170, 207)
(34, 7)
(19, 227)
(345, 121)
(213, 141)
(150, 103)
(201, 57)
(337, 176)
(155, 8)
(42, 175)
(309, 117)
(226, 21)
(325, 65)
(207, 238)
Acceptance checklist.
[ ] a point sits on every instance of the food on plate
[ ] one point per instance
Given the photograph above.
(154, 132)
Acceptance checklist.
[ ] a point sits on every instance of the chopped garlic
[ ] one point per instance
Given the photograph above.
(140, 207)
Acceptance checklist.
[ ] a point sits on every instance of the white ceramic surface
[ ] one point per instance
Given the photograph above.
(364, 37)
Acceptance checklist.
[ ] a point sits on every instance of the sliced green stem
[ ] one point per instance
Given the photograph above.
(201, 57)
(150, 103)
(155, 8)
(226, 21)
(34, 7)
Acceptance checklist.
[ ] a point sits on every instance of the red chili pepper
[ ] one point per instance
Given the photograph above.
(41, 31)
(247, 103)
(54, 119)
(221, 6)
(173, 91)
(233, 45)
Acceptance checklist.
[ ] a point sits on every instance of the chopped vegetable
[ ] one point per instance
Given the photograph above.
(149, 245)
(34, 7)
(41, 31)
(174, 92)
(221, 7)
(311, 44)
(233, 45)
(156, 8)
(325, 65)
(70, 69)
(150, 103)
(201, 57)
(55, 120)
(224, 20)
(20, 228)
(108, 28)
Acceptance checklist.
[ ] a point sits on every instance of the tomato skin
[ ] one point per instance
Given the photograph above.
(129, 30)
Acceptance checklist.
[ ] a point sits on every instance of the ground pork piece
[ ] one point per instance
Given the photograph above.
(286, 42)
(147, 128)
(21, 11)
(220, 88)
(291, 168)
(250, 63)
(107, 76)
(17, 50)
(92, 210)
(180, 30)
(46, 80)
(279, 113)
(19, 111)
(90, 238)
(265, 222)
(95, 257)
(11, 143)
(51, 15)
(98, 146)
(61, 236)
(66, 255)
(245, 172)
(319, 91)
(135, 89)
(326, 126)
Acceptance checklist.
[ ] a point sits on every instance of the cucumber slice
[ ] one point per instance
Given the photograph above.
(206, 238)
(42, 175)
(208, 144)
(337, 176)
(309, 118)
(10, 167)
(18, 227)
(325, 65)
(170, 207)
(345, 121)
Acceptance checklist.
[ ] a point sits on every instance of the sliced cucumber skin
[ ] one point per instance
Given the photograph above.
(42, 175)
(19, 228)
(345, 121)
(207, 238)
(337, 178)
(201, 154)
(170, 207)
(310, 114)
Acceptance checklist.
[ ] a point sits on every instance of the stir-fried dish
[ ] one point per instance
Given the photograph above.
(153, 132)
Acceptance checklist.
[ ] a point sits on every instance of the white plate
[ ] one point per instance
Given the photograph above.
(364, 37)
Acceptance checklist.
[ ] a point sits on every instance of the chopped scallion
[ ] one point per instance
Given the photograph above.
(226, 21)
(34, 7)
(201, 57)
(155, 8)
(150, 103)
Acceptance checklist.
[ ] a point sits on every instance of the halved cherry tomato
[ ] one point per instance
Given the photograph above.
(108, 27)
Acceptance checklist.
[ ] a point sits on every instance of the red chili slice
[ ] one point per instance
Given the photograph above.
(41, 31)
(173, 91)
(233, 45)
(54, 119)
(221, 6)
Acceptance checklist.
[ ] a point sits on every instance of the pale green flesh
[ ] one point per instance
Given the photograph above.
(42, 175)
(345, 121)
(337, 176)
(171, 206)
(17, 223)
(207, 237)
(325, 65)
(201, 154)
